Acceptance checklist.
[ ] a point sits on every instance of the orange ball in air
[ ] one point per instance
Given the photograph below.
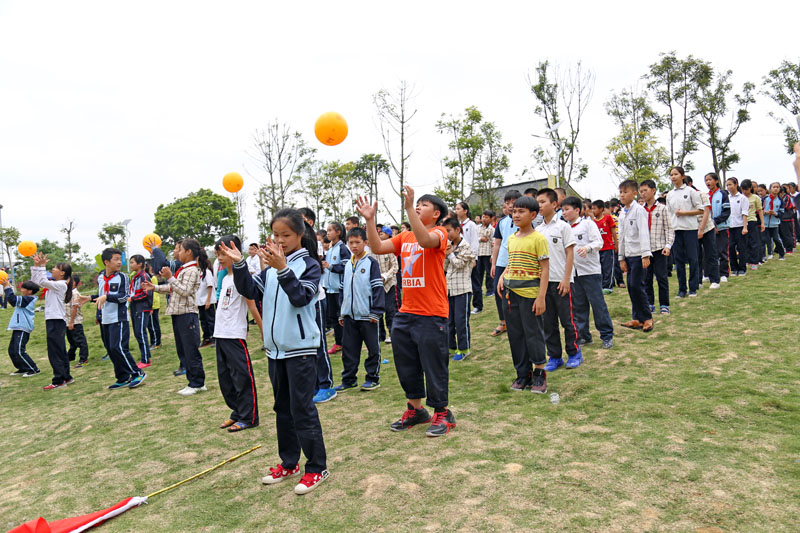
(3, 276)
(331, 128)
(150, 237)
(232, 181)
(26, 248)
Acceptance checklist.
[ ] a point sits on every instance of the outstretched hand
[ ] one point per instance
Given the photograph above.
(365, 209)
(273, 256)
(232, 252)
(408, 197)
(39, 259)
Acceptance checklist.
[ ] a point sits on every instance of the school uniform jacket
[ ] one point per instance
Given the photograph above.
(24, 306)
(141, 300)
(720, 208)
(587, 235)
(788, 212)
(337, 257)
(115, 309)
(289, 304)
(772, 203)
(363, 297)
(56, 292)
(634, 233)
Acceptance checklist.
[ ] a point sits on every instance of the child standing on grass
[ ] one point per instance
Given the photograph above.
(75, 333)
(684, 205)
(290, 290)
(336, 258)
(362, 306)
(773, 209)
(524, 285)
(458, 265)
(206, 299)
(737, 224)
(20, 326)
(503, 230)
(154, 328)
(419, 332)
(485, 232)
(59, 292)
(787, 216)
(720, 213)
(662, 237)
(755, 225)
(141, 303)
(608, 231)
(634, 254)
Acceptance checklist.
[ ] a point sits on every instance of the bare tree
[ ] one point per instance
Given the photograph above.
(393, 117)
(240, 201)
(71, 247)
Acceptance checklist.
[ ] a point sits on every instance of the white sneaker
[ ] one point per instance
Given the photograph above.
(770, 256)
(705, 279)
(188, 391)
(475, 311)
(724, 279)
(388, 340)
(714, 286)
(782, 258)
(310, 482)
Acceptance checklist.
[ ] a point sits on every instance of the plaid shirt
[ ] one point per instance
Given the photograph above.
(661, 233)
(388, 265)
(485, 248)
(458, 267)
(182, 288)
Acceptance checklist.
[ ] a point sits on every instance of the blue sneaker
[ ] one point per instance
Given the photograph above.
(385, 362)
(553, 363)
(665, 310)
(681, 295)
(460, 356)
(370, 385)
(343, 387)
(135, 382)
(652, 308)
(118, 385)
(574, 361)
(324, 395)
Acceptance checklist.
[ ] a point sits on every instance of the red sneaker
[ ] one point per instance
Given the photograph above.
(334, 349)
(310, 481)
(279, 473)
(54, 386)
(142, 365)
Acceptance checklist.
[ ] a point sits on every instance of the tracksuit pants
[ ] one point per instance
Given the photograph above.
(57, 350)
(525, 334)
(559, 309)
(607, 268)
(753, 240)
(588, 292)
(236, 380)
(737, 250)
(17, 352)
(710, 256)
(103, 336)
(485, 274)
(206, 318)
(657, 268)
(617, 271)
(388, 316)
(356, 333)
(118, 335)
(498, 298)
(786, 231)
(684, 250)
(77, 341)
(186, 328)
(324, 369)
(477, 290)
(639, 308)
(154, 329)
(334, 304)
(421, 358)
(297, 421)
(141, 324)
(458, 323)
(774, 241)
(723, 238)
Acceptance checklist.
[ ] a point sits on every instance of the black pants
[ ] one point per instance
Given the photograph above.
(710, 256)
(477, 290)
(773, 238)
(206, 319)
(324, 369)
(723, 238)
(559, 309)
(154, 329)
(485, 274)
(57, 350)
(118, 335)
(334, 304)
(17, 352)
(77, 341)
(421, 358)
(458, 335)
(657, 268)
(103, 336)
(617, 271)
(498, 298)
(356, 333)
(236, 380)
(636, 290)
(753, 241)
(786, 231)
(141, 324)
(737, 250)
(186, 329)
(525, 334)
(297, 421)
(388, 316)
(684, 250)
(607, 268)
(588, 291)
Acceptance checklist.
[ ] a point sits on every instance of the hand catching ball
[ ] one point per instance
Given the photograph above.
(150, 237)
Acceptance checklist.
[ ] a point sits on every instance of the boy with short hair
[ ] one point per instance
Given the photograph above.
(588, 286)
(350, 223)
(661, 238)
(634, 254)
(503, 230)
(458, 265)
(141, 304)
(361, 309)
(561, 246)
(608, 231)
(524, 283)
(75, 334)
(485, 231)
(20, 325)
(419, 333)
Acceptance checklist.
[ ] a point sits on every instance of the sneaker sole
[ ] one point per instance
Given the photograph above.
(432, 435)
(327, 399)
(370, 388)
(398, 430)
(273, 481)
(539, 391)
(134, 385)
(302, 489)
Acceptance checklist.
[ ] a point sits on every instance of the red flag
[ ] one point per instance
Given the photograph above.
(79, 523)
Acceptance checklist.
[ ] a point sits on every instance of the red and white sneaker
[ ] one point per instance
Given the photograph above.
(53, 386)
(334, 349)
(279, 473)
(310, 481)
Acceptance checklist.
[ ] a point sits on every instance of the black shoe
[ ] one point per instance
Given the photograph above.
(539, 382)
(442, 423)
(180, 372)
(583, 342)
(521, 384)
(411, 417)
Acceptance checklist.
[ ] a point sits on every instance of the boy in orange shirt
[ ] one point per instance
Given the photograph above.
(419, 330)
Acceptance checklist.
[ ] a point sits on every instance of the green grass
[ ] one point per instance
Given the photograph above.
(692, 426)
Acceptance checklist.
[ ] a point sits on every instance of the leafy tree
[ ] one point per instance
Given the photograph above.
(561, 99)
(491, 164)
(203, 215)
(112, 234)
(466, 142)
(782, 85)
(339, 190)
(314, 184)
(9, 238)
(368, 170)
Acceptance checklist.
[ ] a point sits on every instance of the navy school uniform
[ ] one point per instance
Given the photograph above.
(141, 313)
(362, 306)
(337, 257)
(292, 337)
(114, 319)
(20, 326)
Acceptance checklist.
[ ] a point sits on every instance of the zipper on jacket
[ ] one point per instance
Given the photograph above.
(300, 325)
(274, 309)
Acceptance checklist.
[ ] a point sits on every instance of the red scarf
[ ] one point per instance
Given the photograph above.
(650, 213)
(190, 263)
(711, 195)
(106, 280)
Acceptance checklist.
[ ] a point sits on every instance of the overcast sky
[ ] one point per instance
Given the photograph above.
(108, 109)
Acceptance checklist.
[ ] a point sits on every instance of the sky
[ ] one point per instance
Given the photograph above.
(109, 109)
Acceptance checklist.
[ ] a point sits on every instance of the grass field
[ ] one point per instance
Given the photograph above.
(693, 427)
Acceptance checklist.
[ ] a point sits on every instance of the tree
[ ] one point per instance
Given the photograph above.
(710, 97)
(672, 80)
(491, 164)
(635, 153)
(72, 248)
(368, 170)
(394, 114)
(112, 234)
(561, 98)
(203, 215)
(239, 202)
(339, 189)
(278, 151)
(9, 237)
(314, 184)
(782, 85)
(466, 142)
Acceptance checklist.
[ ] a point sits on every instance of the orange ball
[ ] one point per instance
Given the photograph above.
(26, 248)
(232, 181)
(151, 237)
(3, 276)
(331, 128)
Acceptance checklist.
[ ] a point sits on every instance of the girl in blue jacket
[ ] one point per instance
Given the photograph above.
(289, 287)
(334, 262)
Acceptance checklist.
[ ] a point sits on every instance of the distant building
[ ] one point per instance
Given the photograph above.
(500, 192)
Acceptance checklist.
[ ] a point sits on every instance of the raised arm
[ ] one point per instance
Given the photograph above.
(373, 239)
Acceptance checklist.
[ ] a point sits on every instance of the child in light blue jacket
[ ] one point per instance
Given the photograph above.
(20, 326)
